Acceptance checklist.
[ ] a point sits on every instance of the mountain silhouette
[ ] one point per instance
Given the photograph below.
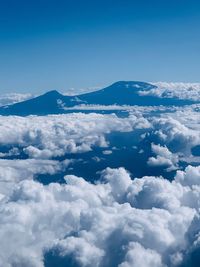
(119, 93)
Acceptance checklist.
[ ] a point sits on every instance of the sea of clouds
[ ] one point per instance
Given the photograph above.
(56, 135)
(117, 221)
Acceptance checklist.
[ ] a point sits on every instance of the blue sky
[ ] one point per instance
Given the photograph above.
(55, 44)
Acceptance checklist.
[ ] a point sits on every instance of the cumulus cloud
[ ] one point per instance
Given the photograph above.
(14, 171)
(164, 157)
(178, 135)
(56, 135)
(172, 137)
(115, 222)
(107, 152)
(137, 255)
(190, 177)
(180, 90)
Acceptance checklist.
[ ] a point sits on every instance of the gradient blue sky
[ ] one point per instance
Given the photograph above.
(55, 44)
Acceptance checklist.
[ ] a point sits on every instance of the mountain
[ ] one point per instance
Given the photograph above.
(120, 93)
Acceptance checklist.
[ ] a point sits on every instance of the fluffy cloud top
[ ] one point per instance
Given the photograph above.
(179, 90)
(177, 133)
(14, 171)
(164, 157)
(117, 222)
(56, 135)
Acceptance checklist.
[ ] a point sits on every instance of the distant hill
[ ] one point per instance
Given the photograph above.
(119, 93)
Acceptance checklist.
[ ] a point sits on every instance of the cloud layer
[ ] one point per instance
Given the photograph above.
(53, 136)
(180, 90)
(116, 222)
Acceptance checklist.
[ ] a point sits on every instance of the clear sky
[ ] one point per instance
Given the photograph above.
(57, 44)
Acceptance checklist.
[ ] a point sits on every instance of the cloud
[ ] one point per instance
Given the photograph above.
(180, 90)
(14, 171)
(116, 222)
(56, 135)
(137, 255)
(12, 98)
(164, 157)
(107, 152)
(178, 134)
(190, 177)
(105, 107)
(46, 137)
(79, 91)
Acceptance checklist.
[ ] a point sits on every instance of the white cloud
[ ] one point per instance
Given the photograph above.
(14, 171)
(176, 133)
(180, 90)
(117, 222)
(107, 152)
(12, 98)
(164, 157)
(56, 135)
(190, 177)
(137, 255)
(103, 107)
(78, 91)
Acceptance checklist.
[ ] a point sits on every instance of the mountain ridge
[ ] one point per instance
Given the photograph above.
(118, 93)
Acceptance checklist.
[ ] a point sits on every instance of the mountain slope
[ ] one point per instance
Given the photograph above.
(120, 93)
(43, 104)
(127, 93)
